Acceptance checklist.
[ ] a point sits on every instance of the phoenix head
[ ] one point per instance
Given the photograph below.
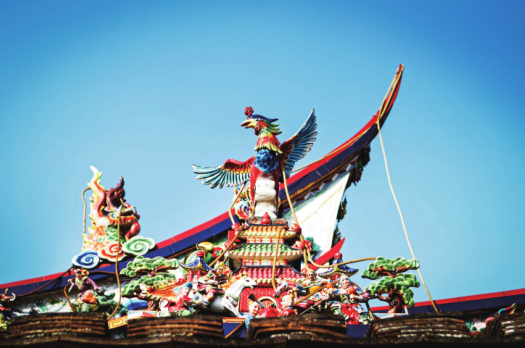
(264, 128)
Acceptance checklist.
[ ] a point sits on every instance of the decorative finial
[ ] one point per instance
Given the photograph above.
(248, 111)
(266, 219)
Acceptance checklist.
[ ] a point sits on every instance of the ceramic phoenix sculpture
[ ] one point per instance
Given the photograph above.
(264, 169)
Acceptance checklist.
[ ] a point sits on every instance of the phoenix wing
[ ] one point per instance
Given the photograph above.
(297, 146)
(231, 173)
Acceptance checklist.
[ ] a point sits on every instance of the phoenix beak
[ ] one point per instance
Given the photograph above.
(248, 124)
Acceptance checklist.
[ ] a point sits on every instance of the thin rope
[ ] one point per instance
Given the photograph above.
(310, 295)
(288, 196)
(235, 200)
(337, 264)
(305, 248)
(233, 222)
(227, 248)
(320, 159)
(67, 298)
(116, 263)
(275, 253)
(401, 214)
(46, 284)
(381, 112)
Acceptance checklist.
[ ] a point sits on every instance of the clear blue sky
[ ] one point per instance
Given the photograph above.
(144, 89)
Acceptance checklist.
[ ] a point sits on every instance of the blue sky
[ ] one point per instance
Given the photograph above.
(145, 89)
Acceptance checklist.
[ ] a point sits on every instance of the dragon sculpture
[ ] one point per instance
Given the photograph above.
(101, 241)
(264, 169)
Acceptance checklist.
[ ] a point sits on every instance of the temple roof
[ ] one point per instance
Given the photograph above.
(300, 185)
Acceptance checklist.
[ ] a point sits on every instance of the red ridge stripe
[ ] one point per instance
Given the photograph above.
(328, 255)
(481, 297)
(337, 150)
(167, 242)
(221, 218)
(23, 282)
(514, 292)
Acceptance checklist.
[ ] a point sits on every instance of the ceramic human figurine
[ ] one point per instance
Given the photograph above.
(86, 286)
(304, 286)
(254, 308)
(5, 312)
(213, 282)
(92, 298)
(320, 301)
(180, 307)
(264, 169)
(350, 298)
(287, 300)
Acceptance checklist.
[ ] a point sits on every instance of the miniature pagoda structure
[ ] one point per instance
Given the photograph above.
(257, 254)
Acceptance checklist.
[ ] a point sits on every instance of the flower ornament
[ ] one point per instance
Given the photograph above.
(248, 111)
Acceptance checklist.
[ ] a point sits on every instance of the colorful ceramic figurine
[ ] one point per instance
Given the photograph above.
(254, 308)
(6, 312)
(308, 285)
(180, 307)
(287, 300)
(148, 274)
(349, 306)
(264, 169)
(86, 286)
(214, 281)
(101, 241)
(321, 300)
(92, 298)
(106, 206)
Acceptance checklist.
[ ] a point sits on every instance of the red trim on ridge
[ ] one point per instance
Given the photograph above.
(22, 282)
(336, 151)
(193, 230)
(53, 276)
(328, 255)
(481, 297)
(222, 217)
(514, 292)
(167, 242)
